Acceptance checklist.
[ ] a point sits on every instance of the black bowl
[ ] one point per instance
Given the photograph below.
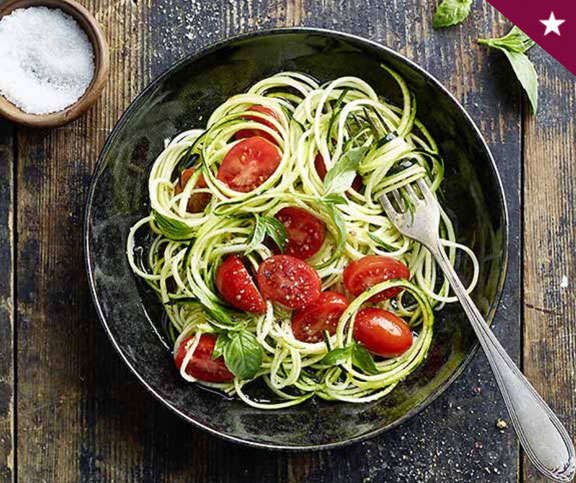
(183, 97)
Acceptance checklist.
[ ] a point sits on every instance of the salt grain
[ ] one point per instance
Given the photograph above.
(46, 60)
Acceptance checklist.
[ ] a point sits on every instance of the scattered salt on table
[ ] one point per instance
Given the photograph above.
(46, 60)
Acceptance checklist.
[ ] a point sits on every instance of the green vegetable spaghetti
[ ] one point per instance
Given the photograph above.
(271, 255)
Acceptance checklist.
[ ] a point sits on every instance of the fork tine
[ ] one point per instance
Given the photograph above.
(412, 196)
(426, 191)
(399, 199)
(388, 208)
(371, 122)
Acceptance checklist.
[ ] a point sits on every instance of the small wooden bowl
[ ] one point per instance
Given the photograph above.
(101, 65)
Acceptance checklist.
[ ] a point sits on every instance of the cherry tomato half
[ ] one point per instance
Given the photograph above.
(249, 163)
(321, 170)
(248, 133)
(201, 365)
(306, 233)
(362, 274)
(309, 324)
(236, 286)
(288, 281)
(197, 201)
(382, 332)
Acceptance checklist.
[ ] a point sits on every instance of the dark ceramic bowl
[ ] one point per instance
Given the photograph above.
(183, 97)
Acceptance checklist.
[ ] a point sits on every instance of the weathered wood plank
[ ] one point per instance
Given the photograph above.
(550, 237)
(66, 365)
(82, 417)
(7, 382)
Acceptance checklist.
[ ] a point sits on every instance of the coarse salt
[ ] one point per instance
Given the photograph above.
(46, 60)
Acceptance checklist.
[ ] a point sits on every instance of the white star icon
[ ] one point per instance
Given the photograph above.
(552, 24)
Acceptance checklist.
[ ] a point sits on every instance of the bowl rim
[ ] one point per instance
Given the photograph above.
(88, 23)
(279, 31)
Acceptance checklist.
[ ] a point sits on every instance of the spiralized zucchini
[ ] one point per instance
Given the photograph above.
(183, 250)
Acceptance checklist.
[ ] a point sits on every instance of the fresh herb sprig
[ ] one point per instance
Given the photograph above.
(267, 226)
(242, 353)
(357, 354)
(451, 12)
(514, 45)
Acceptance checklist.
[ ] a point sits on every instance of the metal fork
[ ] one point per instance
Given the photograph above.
(541, 434)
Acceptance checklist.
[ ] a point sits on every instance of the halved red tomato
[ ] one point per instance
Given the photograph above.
(362, 274)
(288, 281)
(306, 233)
(382, 333)
(236, 286)
(198, 201)
(248, 133)
(201, 365)
(249, 163)
(320, 166)
(309, 324)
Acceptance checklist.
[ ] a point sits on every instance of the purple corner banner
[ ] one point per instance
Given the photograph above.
(550, 23)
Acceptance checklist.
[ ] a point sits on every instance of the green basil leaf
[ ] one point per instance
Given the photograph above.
(172, 228)
(514, 45)
(243, 354)
(220, 345)
(513, 41)
(338, 220)
(266, 225)
(334, 199)
(257, 236)
(275, 230)
(451, 12)
(213, 310)
(362, 359)
(526, 74)
(340, 177)
(336, 356)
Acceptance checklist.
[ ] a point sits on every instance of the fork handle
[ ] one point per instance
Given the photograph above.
(543, 437)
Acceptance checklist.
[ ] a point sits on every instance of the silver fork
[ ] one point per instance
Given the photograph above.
(541, 434)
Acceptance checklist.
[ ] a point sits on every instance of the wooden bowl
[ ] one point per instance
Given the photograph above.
(101, 66)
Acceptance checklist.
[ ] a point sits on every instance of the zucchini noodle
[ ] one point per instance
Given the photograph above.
(176, 252)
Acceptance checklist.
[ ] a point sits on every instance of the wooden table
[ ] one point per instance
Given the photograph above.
(69, 409)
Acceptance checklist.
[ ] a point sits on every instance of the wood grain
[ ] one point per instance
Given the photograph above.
(549, 241)
(66, 366)
(7, 383)
(83, 418)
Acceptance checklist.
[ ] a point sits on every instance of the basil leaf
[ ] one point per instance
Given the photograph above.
(451, 12)
(243, 354)
(213, 309)
(257, 236)
(340, 177)
(363, 360)
(275, 230)
(266, 225)
(526, 74)
(513, 41)
(220, 345)
(514, 44)
(172, 228)
(334, 199)
(336, 356)
(340, 228)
